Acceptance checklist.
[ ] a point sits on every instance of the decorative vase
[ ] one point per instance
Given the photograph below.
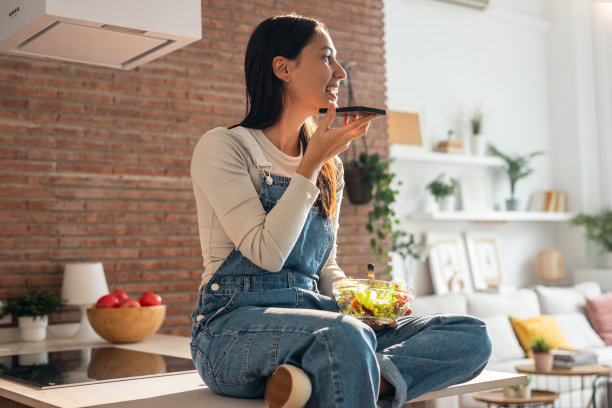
(543, 361)
(512, 204)
(446, 203)
(356, 182)
(33, 328)
(478, 145)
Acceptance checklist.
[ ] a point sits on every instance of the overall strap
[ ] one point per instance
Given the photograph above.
(254, 148)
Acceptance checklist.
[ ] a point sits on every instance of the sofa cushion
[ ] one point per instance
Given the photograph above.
(448, 303)
(577, 331)
(503, 339)
(600, 313)
(541, 326)
(558, 300)
(521, 303)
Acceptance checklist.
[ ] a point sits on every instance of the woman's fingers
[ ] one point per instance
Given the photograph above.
(329, 116)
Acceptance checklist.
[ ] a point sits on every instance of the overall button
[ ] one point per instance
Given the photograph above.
(200, 317)
(214, 286)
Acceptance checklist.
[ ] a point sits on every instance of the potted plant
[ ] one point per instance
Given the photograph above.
(518, 168)
(542, 356)
(443, 191)
(32, 309)
(364, 176)
(519, 391)
(599, 230)
(478, 141)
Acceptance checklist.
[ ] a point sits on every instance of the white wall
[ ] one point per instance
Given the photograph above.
(446, 58)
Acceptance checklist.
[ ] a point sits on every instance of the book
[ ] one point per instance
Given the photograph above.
(551, 197)
(455, 150)
(563, 358)
(449, 143)
(548, 200)
(561, 204)
(537, 201)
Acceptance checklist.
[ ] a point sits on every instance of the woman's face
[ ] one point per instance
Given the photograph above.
(314, 77)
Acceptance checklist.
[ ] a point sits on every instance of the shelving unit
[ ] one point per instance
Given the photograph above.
(487, 164)
(401, 152)
(494, 216)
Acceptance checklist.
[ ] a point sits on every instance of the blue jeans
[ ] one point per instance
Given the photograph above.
(248, 321)
(343, 357)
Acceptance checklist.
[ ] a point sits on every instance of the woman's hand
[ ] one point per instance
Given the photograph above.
(380, 327)
(328, 142)
(377, 327)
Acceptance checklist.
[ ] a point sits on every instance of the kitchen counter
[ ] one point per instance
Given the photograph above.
(185, 390)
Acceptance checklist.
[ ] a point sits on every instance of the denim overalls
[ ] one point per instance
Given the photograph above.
(248, 321)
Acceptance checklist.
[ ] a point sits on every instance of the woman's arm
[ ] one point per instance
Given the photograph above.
(220, 170)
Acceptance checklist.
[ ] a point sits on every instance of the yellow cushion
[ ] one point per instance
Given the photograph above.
(541, 326)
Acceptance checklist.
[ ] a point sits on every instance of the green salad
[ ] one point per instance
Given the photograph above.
(378, 300)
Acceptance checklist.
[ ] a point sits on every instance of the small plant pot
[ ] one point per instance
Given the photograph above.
(478, 145)
(33, 329)
(512, 204)
(446, 203)
(520, 392)
(543, 361)
(356, 181)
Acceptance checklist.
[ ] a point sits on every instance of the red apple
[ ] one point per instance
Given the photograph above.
(129, 302)
(121, 295)
(149, 298)
(107, 301)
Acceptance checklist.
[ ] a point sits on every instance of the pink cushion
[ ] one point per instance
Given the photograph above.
(599, 309)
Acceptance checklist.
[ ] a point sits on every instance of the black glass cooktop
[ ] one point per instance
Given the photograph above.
(85, 366)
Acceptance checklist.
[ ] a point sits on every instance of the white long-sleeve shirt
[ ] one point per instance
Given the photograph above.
(226, 184)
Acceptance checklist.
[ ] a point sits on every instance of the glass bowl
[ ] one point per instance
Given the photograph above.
(381, 301)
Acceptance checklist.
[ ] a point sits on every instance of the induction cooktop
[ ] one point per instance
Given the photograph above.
(89, 365)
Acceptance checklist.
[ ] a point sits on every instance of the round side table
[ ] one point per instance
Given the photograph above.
(597, 371)
(498, 399)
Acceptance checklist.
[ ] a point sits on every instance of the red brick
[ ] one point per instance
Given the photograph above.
(94, 162)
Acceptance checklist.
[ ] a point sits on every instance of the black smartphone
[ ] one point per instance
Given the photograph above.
(356, 111)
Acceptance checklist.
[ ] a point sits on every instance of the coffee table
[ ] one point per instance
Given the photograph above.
(498, 399)
(597, 371)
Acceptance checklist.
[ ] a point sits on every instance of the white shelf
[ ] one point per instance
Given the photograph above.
(401, 152)
(494, 216)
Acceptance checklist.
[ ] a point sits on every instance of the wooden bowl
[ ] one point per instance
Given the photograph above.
(126, 324)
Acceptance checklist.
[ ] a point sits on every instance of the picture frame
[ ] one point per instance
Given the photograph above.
(448, 263)
(475, 194)
(485, 261)
(406, 127)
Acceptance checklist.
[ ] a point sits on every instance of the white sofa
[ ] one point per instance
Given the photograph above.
(567, 304)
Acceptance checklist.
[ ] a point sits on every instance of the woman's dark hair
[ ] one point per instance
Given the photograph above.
(283, 36)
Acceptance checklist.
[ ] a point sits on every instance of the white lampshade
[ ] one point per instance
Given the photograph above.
(84, 283)
(551, 265)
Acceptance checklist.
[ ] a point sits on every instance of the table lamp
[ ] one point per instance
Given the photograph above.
(551, 265)
(84, 283)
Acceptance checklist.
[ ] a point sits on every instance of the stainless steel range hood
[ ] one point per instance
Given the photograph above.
(112, 33)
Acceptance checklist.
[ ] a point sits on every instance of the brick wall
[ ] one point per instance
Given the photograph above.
(94, 162)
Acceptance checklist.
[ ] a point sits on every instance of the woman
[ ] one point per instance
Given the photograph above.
(268, 193)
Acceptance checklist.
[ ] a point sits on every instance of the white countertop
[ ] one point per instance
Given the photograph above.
(185, 390)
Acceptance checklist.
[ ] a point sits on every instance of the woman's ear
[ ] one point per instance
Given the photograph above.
(280, 66)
